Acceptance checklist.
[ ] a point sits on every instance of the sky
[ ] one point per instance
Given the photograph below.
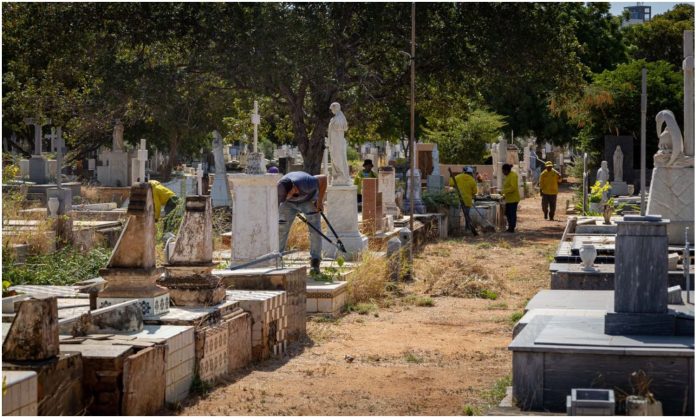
(657, 7)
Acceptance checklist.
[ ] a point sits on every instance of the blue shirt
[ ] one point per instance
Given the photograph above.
(307, 185)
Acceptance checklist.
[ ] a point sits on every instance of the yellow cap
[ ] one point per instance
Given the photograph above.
(549, 164)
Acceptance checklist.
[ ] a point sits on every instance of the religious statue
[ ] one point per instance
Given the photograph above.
(670, 149)
(117, 142)
(603, 173)
(337, 147)
(618, 164)
(218, 153)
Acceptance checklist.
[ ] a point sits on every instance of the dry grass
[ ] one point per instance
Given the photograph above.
(299, 237)
(440, 273)
(40, 238)
(369, 280)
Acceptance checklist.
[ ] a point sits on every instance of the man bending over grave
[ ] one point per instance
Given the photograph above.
(298, 192)
(162, 196)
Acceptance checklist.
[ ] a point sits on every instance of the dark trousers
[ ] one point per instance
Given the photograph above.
(511, 215)
(171, 204)
(548, 205)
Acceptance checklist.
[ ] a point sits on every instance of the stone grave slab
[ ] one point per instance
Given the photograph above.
(603, 244)
(33, 335)
(239, 341)
(144, 381)
(566, 276)
(194, 315)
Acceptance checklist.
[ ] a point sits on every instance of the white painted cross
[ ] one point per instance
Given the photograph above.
(256, 120)
(38, 147)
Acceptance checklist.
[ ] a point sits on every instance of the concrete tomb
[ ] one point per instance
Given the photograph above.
(372, 206)
(387, 186)
(138, 163)
(38, 169)
(114, 169)
(189, 264)
(132, 272)
(342, 212)
(418, 205)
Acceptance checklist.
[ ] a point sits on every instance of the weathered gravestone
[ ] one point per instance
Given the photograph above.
(188, 267)
(132, 272)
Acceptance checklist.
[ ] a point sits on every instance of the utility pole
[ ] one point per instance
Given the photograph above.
(643, 111)
(412, 141)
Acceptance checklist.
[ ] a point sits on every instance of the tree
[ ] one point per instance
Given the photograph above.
(464, 141)
(661, 38)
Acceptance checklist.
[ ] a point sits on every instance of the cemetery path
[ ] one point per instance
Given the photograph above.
(447, 359)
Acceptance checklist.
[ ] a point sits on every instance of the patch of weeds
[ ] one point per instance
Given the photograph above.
(484, 245)
(497, 305)
(63, 267)
(516, 316)
(362, 308)
(412, 358)
(325, 319)
(497, 393)
(470, 410)
(487, 294)
(504, 244)
(419, 300)
(550, 258)
(200, 387)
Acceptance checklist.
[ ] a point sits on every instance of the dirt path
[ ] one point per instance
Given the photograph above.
(447, 359)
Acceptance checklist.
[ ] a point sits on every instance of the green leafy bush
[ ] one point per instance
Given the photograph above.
(63, 267)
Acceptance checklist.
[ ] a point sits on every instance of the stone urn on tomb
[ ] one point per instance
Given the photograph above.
(53, 205)
(588, 253)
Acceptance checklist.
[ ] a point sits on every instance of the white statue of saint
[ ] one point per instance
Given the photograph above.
(117, 142)
(618, 164)
(603, 173)
(670, 149)
(218, 153)
(337, 147)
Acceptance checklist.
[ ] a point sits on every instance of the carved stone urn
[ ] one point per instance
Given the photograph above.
(53, 205)
(588, 253)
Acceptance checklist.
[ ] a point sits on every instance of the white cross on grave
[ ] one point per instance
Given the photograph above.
(199, 178)
(58, 146)
(256, 120)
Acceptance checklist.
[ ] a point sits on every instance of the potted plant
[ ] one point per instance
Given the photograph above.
(598, 194)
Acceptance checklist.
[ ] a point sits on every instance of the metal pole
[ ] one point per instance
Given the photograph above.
(643, 111)
(412, 137)
(686, 265)
(585, 179)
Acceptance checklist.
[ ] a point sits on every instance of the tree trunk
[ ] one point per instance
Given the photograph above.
(314, 151)
(173, 158)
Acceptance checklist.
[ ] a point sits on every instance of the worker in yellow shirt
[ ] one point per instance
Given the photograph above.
(162, 196)
(511, 193)
(548, 183)
(466, 185)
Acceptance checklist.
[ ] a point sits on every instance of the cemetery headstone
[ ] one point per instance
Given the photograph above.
(418, 205)
(131, 272)
(38, 170)
(387, 186)
(220, 192)
(372, 205)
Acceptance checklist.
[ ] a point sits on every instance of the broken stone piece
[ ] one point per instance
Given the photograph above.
(33, 334)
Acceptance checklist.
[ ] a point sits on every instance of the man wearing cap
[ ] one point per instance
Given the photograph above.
(467, 187)
(365, 173)
(511, 194)
(548, 183)
(298, 192)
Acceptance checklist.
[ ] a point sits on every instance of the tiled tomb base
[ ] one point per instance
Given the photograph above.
(151, 307)
(291, 280)
(326, 298)
(239, 341)
(59, 383)
(19, 394)
(269, 320)
(180, 369)
(212, 353)
(195, 316)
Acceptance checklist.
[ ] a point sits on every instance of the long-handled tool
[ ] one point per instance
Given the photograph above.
(486, 228)
(338, 244)
(467, 218)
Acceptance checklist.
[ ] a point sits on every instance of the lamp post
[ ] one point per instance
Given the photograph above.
(412, 137)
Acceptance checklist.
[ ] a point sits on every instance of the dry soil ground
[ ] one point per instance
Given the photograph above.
(401, 359)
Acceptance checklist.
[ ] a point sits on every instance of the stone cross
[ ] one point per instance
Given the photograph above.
(142, 158)
(199, 178)
(58, 146)
(38, 147)
(256, 120)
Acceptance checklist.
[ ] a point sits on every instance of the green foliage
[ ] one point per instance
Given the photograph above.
(63, 267)
(362, 308)
(598, 190)
(470, 411)
(660, 39)
(353, 154)
(330, 274)
(419, 300)
(411, 357)
(200, 387)
(434, 201)
(463, 141)
(516, 316)
(487, 294)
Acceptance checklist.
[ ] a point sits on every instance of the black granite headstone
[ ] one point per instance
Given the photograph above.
(626, 143)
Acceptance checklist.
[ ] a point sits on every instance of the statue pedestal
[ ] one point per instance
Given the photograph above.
(418, 205)
(672, 196)
(342, 212)
(619, 188)
(254, 217)
(220, 192)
